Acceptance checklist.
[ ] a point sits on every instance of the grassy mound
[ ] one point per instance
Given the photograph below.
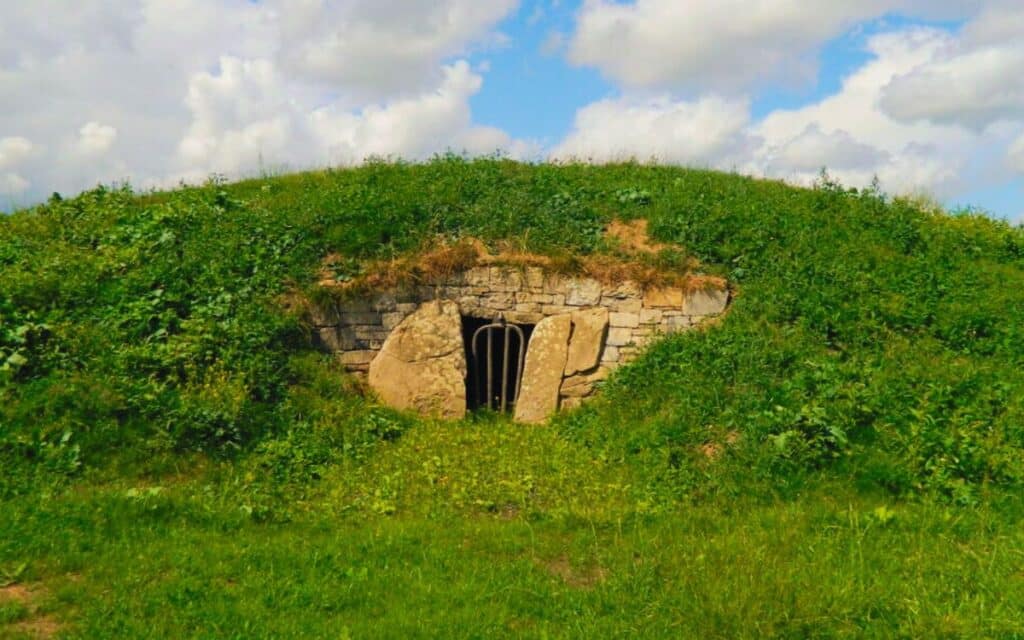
(865, 395)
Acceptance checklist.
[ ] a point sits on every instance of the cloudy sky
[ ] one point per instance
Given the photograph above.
(926, 94)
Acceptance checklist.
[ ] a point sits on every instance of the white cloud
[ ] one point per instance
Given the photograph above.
(382, 47)
(709, 131)
(976, 79)
(12, 184)
(173, 89)
(974, 88)
(814, 149)
(240, 115)
(95, 138)
(13, 150)
(723, 45)
(247, 115)
(415, 127)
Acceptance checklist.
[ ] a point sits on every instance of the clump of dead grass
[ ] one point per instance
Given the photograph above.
(435, 261)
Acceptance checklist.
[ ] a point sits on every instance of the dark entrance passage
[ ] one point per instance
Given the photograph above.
(495, 353)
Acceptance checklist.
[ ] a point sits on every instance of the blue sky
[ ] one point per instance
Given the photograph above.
(926, 94)
(530, 92)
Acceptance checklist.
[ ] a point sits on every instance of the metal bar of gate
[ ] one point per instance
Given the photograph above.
(522, 361)
(502, 401)
(521, 348)
(490, 368)
(504, 372)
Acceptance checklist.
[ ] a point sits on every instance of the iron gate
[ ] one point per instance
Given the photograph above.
(484, 360)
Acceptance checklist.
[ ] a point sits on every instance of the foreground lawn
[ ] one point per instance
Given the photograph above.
(499, 531)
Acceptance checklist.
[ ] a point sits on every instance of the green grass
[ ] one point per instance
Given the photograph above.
(494, 530)
(179, 461)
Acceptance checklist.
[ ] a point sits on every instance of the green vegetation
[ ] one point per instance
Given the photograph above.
(842, 456)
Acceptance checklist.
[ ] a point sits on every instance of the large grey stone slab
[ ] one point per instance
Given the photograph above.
(422, 365)
(545, 365)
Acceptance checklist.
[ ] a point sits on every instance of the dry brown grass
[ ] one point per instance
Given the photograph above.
(435, 261)
(699, 282)
(637, 260)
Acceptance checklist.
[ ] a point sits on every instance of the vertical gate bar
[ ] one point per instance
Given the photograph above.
(479, 382)
(504, 371)
(522, 355)
(490, 368)
(476, 363)
(474, 342)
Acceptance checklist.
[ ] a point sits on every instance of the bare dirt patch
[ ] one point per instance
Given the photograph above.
(36, 624)
(632, 236)
(38, 627)
(509, 512)
(17, 593)
(578, 577)
(712, 449)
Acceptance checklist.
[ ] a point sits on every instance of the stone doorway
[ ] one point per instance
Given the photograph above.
(495, 357)
(411, 342)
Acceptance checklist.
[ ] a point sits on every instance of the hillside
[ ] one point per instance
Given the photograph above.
(841, 455)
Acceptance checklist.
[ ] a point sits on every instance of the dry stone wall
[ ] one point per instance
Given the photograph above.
(609, 324)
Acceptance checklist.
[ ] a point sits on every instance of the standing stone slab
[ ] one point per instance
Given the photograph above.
(588, 330)
(422, 365)
(545, 364)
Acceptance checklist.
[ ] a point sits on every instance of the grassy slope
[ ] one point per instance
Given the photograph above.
(179, 461)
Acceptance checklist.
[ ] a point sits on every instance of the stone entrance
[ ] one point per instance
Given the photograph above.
(495, 355)
(410, 342)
